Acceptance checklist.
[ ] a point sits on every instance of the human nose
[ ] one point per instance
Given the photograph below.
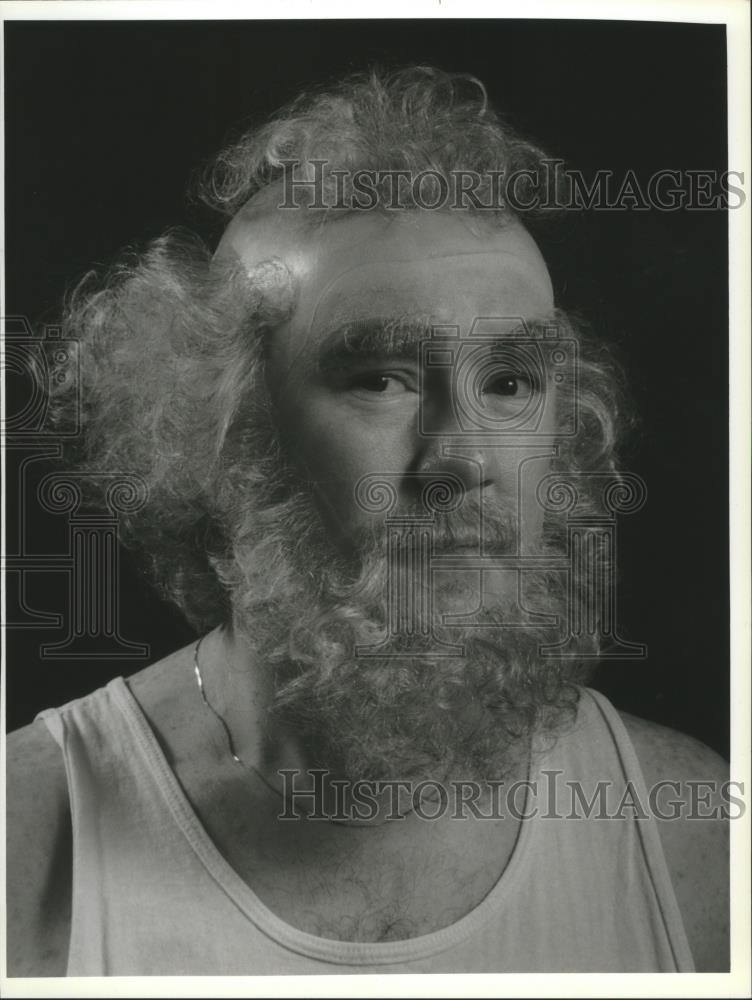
(444, 451)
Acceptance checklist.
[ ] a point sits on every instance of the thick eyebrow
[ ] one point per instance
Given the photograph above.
(397, 337)
(400, 337)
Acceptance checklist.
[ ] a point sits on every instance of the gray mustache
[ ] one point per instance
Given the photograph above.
(478, 525)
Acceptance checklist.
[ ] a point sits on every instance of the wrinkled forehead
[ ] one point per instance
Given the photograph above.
(449, 266)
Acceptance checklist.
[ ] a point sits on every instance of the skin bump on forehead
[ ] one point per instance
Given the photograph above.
(452, 266)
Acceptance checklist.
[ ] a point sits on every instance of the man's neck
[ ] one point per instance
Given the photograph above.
(240, 690)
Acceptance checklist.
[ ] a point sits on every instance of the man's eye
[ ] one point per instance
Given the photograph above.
(508, 384)
(378, 384)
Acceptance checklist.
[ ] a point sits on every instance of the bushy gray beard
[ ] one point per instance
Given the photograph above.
(413, 714)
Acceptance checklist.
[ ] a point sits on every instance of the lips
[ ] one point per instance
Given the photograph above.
(474, 548)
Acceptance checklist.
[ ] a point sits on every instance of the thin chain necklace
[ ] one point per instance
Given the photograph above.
(223, 723)
(238, 760)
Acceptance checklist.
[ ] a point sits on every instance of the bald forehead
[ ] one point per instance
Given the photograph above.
(262, 230)
(450, 266)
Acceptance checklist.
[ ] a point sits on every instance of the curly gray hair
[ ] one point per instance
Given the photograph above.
(172, 342)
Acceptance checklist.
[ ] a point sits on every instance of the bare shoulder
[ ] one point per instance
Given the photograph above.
(39, 854)
(39, 829)
(168, 697)
(692, 800)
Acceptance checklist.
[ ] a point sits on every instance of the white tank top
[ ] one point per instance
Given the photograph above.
(152, 895)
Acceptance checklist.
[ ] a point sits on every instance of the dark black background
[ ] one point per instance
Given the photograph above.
(105, 121)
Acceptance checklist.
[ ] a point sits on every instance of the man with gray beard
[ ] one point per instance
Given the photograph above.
(353, 423)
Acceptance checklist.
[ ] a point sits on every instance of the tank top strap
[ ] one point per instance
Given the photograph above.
(598, 750)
